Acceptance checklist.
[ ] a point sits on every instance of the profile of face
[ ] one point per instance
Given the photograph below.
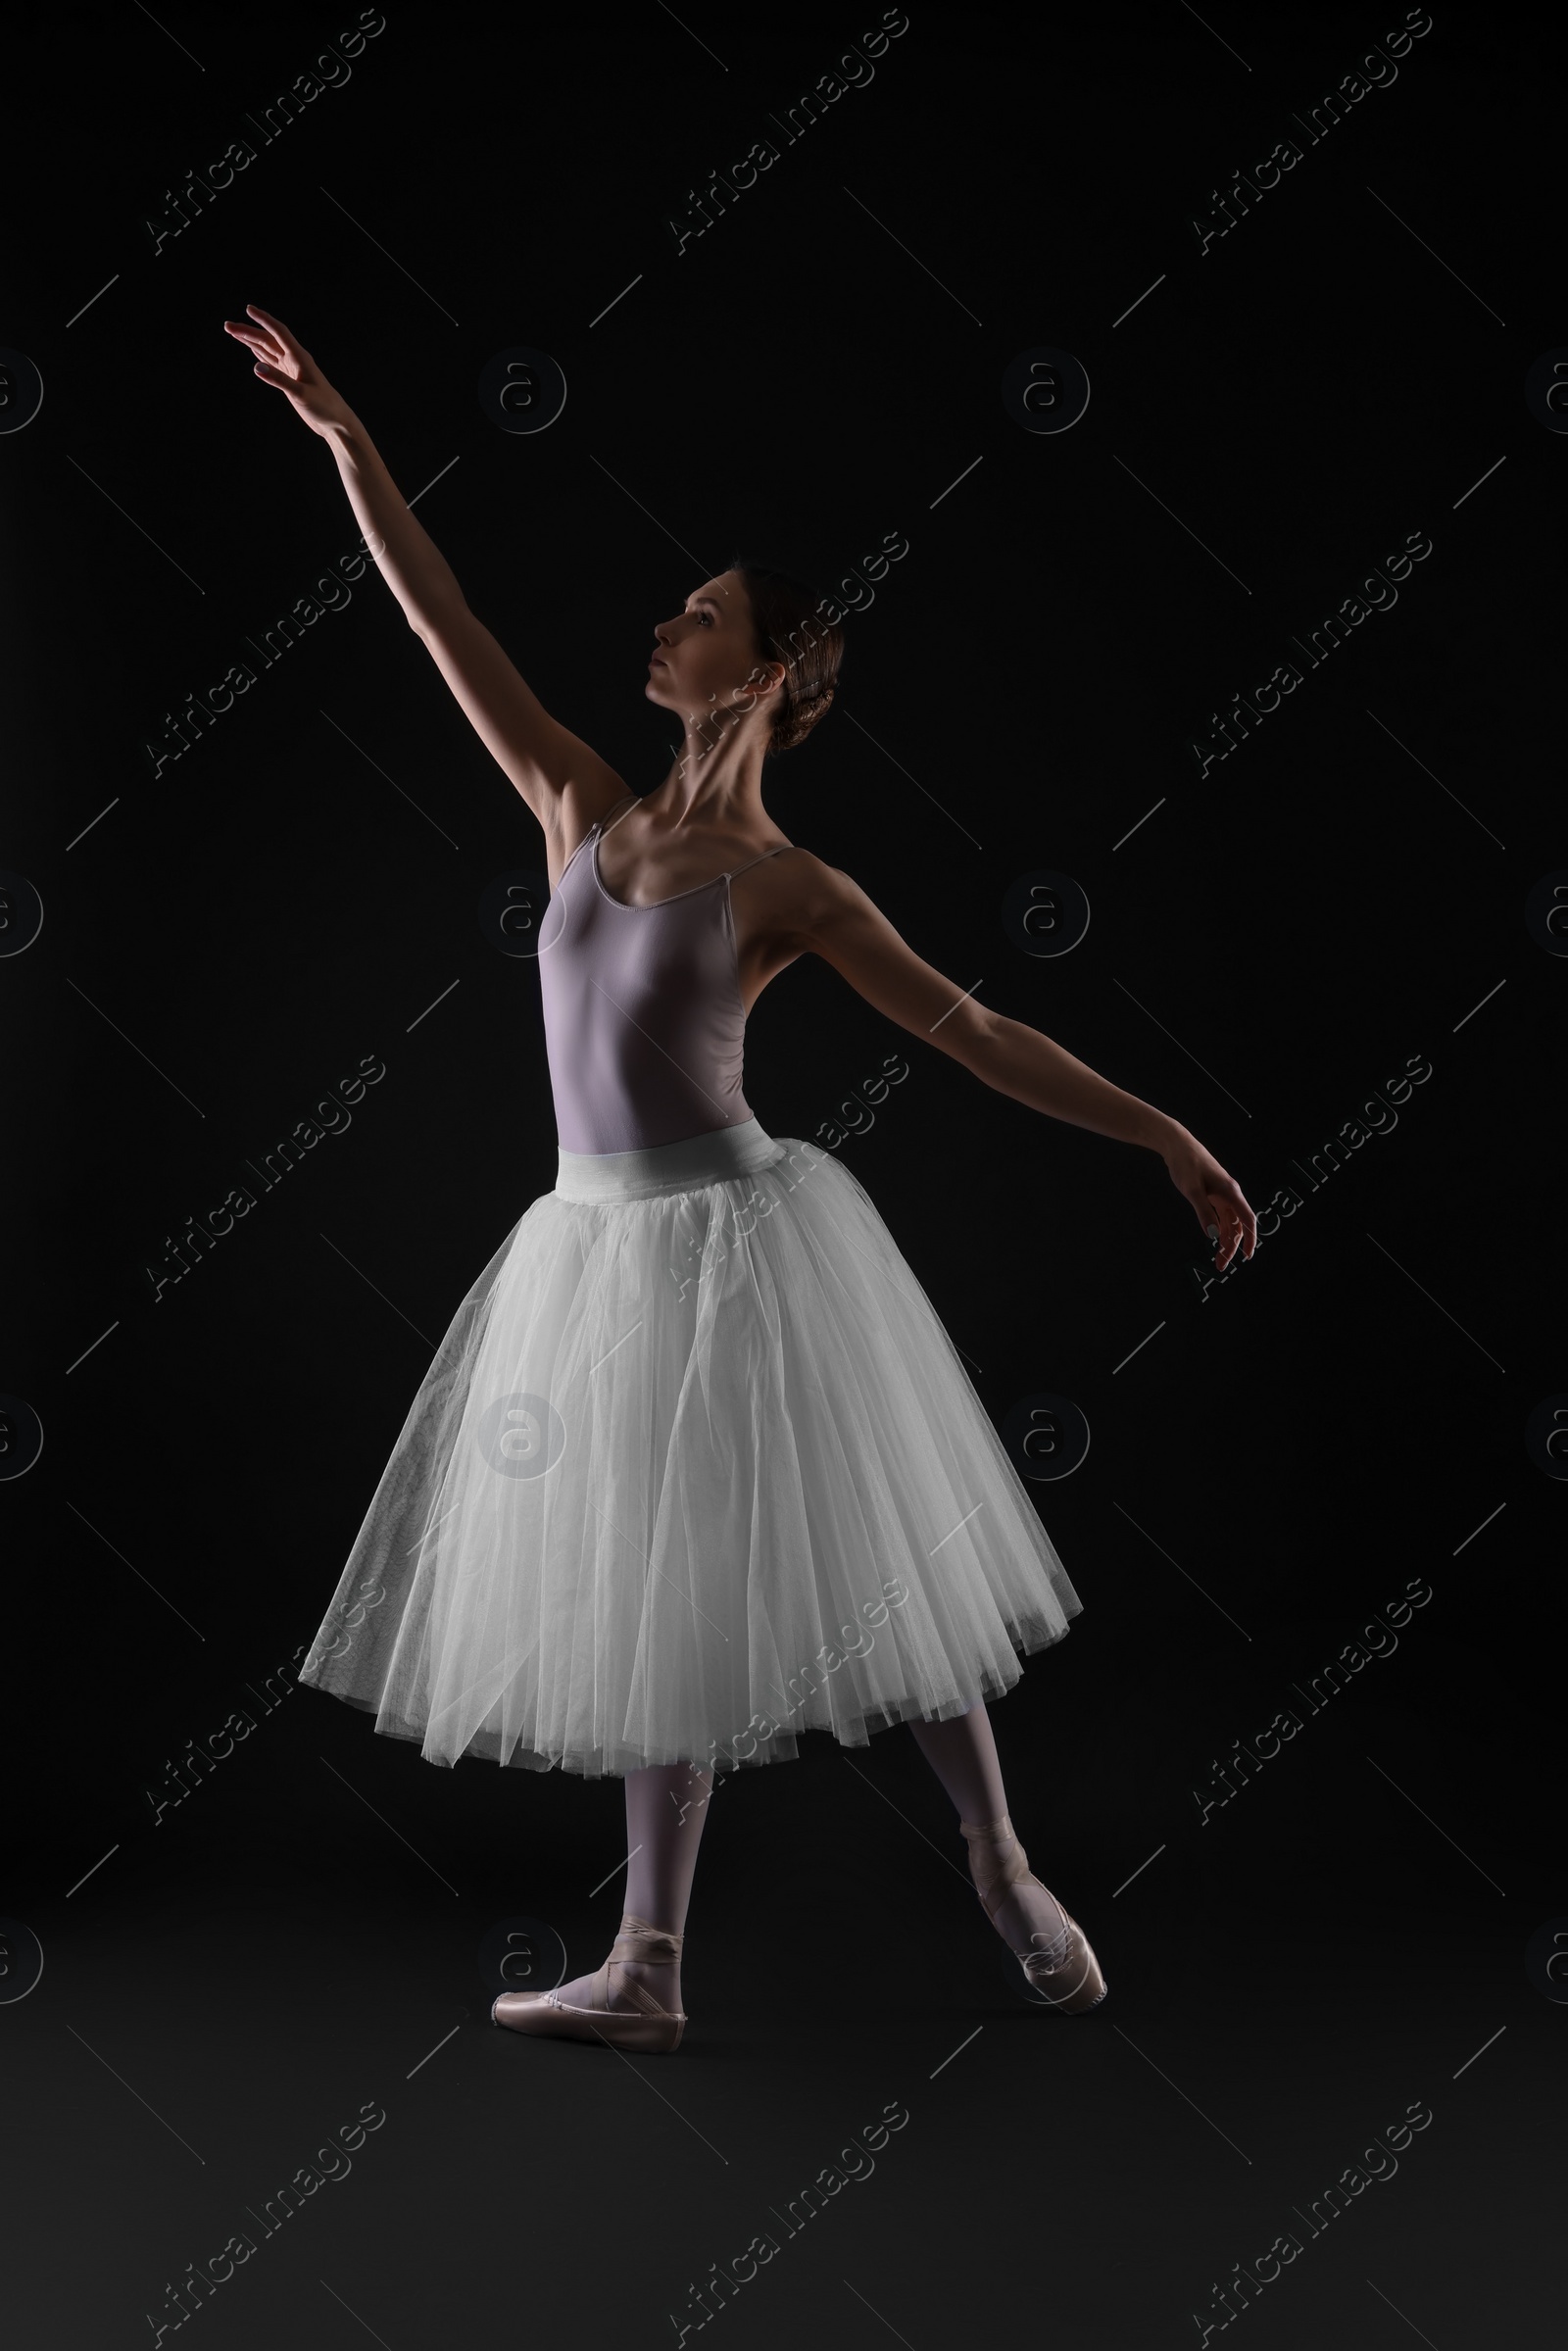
(707, 659)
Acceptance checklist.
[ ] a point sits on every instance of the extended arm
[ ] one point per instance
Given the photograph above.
(841, 925)
(564, 781)
(406, 557)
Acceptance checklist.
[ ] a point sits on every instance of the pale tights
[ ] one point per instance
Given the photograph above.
(667, 1806)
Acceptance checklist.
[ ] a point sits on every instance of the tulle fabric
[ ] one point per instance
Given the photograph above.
(696, 1468)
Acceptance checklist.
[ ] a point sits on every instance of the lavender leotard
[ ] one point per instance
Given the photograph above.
(644, 1024)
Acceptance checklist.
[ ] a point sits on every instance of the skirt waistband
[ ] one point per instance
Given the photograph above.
(696, 1159)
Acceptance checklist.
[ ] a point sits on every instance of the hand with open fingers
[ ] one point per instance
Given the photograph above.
(283, 361)
(1218, 1201)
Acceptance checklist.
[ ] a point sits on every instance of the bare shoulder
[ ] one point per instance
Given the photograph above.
(789, 896)
(820, 899)
(834, 918)
(804, 906)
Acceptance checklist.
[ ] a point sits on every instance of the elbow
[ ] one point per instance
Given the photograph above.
(976, 1035)
(431, 617)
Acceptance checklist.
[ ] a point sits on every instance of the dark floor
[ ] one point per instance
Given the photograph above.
(297, 1950)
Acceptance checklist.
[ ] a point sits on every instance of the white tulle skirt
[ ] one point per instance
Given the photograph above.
(696, 1468)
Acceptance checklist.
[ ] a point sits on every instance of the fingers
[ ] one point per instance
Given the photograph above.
(1247, 1217)
(1238, 1220)
(261, 346)
(1226, 1226)
(279, 331)
(1227, 1218)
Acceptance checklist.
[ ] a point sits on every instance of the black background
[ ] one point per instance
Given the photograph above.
(225, 937)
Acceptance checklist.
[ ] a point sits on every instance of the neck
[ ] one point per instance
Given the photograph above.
(717, 776)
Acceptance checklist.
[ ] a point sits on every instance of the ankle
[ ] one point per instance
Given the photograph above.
(653, 1946)
(990, 1846)
(638, 1968)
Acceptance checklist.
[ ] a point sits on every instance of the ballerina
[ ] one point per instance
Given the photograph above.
(697, 1466)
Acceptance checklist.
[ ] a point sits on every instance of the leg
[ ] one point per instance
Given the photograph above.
(666, 1808)
(962, 1752)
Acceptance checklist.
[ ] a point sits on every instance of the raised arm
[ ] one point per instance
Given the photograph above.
(565, 782)
(838, 921)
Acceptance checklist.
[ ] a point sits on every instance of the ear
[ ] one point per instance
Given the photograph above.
(763, 679)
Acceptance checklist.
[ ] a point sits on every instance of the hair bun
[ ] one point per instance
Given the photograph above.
(789, 624)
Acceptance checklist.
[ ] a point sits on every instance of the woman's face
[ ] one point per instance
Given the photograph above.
(705, 658)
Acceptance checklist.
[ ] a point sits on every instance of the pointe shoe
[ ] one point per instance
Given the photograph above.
(1064, 1972)
(643, 2026)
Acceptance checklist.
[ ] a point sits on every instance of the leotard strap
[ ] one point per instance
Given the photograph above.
(601, 828)
(751, 862)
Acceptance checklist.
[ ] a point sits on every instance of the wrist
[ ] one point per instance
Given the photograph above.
(344, 434)
(1162, 1133)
